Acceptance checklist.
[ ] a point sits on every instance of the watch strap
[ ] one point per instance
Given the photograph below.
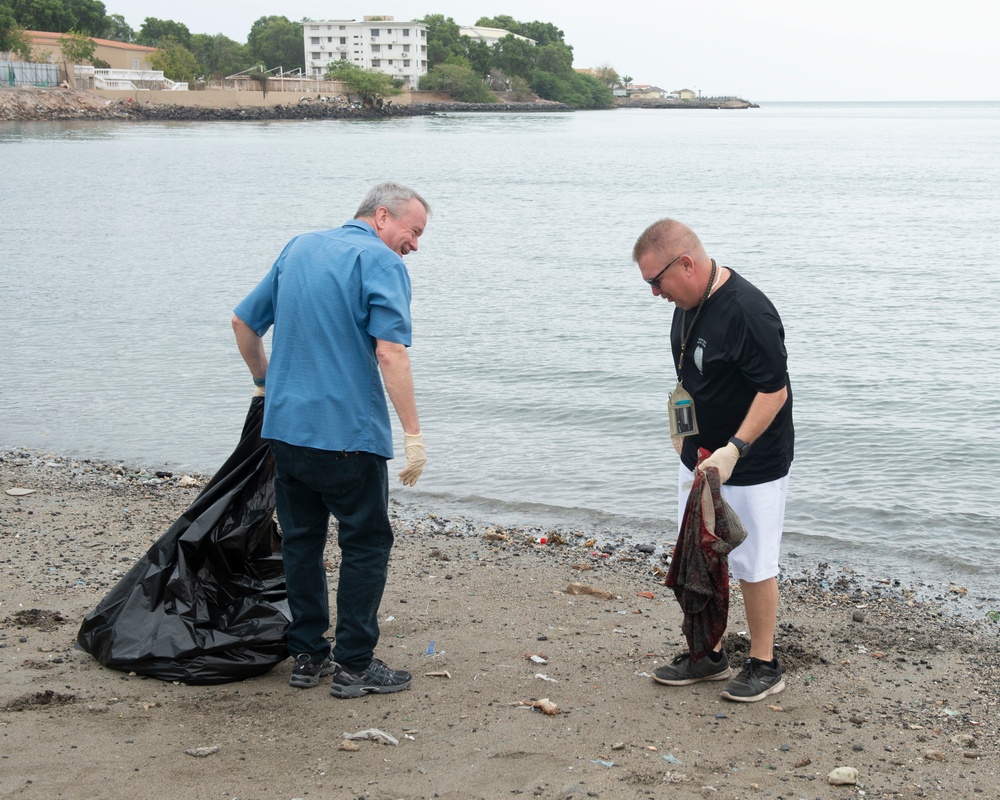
(742, 446)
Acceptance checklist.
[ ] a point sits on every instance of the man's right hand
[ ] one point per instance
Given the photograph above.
(416, 457)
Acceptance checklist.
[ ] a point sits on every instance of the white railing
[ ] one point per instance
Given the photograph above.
(126, 79)
(104, 83)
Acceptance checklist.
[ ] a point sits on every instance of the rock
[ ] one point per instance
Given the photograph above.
(858, 616)
(580, 588)
(934, 755)
(202, 752)
(842, 776)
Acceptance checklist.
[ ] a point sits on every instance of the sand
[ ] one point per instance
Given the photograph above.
(880, 680)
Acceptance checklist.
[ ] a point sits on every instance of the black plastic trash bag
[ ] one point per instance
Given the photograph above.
(207, 603)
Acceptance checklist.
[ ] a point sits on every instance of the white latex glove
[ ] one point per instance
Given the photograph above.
(724, 459)
(416, 457)
(258, 391)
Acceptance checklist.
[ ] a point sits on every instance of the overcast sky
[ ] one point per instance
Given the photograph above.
(756, 49)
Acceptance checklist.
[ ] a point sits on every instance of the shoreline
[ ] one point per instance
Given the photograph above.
(32, 104)
(911, 582)
(897, 688)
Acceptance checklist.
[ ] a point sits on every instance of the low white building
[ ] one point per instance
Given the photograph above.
(489, 35)
(381, 44)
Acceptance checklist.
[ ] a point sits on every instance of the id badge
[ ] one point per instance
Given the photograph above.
(682, 419)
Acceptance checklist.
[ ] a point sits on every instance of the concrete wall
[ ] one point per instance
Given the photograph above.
(228, 98)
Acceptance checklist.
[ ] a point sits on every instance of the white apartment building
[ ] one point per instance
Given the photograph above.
(395, 48)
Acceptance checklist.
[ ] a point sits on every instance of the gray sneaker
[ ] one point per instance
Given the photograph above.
(683, 671)
(756, 680)
(306, 672)
(376, 678)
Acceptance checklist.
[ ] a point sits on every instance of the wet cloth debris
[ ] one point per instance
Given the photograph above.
(699, 571)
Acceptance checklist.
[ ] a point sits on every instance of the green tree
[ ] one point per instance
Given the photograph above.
(367, 84)
(443, 39)
(43, 15)
(576, 90)
(89, 16)
(117, 29)
(626, 81)
(554, 57)
(156, 31)
(219, 55)
(76, 48)
(597, 94)
(175, 60)
(514, 56)
(480, 56)
(542, 32)
(501, 21)
(460, 81)
(13, 39)
(607, 75)
(277, 42)
(520, 89)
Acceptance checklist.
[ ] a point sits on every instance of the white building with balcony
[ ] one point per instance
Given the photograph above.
(398, 49)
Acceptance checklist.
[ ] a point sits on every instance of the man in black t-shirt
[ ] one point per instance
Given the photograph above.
(728, 349)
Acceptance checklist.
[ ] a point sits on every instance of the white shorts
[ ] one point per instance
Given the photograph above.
(761, 509)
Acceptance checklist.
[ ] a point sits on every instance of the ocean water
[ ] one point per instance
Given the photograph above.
(541, 360)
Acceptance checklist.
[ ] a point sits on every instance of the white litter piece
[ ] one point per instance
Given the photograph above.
(374, 734)
(17, 491)
(545, 678)
(202, 752)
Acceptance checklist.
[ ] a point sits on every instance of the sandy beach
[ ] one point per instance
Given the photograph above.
(879, 679)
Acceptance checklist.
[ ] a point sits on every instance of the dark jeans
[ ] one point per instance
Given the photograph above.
(309, 486)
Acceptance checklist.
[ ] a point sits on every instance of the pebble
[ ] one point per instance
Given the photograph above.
(842, 776)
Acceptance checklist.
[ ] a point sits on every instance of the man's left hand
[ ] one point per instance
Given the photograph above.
(724, 459)
(416, 457)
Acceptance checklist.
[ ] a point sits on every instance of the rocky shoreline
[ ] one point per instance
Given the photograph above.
(891, 695)
(65, 104)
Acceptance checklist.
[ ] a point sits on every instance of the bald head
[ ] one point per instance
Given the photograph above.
(668, 235)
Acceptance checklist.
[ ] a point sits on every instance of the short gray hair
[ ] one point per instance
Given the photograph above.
(394, 196)
(663, 232)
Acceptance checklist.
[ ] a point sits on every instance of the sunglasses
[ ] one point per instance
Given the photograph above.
(655, 282)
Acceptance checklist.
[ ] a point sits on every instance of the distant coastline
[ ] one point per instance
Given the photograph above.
(697, 102)
(59, 104)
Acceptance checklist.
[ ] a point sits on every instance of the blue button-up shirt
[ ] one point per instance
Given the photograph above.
(330, 295)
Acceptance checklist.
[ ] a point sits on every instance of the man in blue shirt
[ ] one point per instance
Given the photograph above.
(339, 302)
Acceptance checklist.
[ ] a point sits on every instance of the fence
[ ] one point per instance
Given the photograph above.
(22, 73)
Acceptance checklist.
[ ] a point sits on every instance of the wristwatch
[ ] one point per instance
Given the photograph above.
(742, 446)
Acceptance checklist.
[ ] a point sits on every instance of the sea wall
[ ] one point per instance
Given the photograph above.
(67, 104)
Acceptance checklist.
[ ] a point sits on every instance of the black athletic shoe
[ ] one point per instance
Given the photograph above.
(683, 671)
(306, 672)
(376, 678)
(756, 680)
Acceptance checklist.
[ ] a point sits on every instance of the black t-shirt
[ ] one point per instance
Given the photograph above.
(736, 349)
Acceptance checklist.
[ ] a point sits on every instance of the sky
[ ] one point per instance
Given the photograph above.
(755, 49)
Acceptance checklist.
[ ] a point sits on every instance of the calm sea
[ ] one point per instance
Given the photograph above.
(542, 361)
